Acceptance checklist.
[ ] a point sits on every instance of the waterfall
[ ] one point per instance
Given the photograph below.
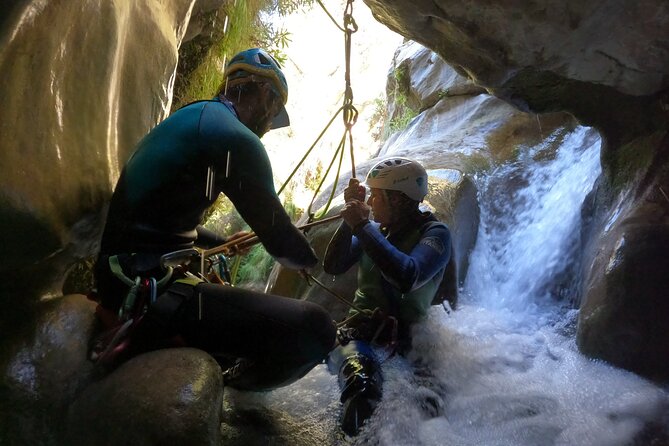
(530, 221)
(504, 368)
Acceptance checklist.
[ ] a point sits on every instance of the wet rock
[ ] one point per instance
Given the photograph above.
(171, 396)
(45, 372)
(624, 317)
(204, 18)
(60, 150)
(43, 368)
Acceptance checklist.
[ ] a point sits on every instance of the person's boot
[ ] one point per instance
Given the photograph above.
(360, 381)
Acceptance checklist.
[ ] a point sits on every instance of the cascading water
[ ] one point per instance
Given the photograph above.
(504, 368)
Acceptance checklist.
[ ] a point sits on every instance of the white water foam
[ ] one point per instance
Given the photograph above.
(504, 369)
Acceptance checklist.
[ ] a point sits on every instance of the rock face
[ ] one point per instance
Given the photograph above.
(548, 56)
(82, 83)
(624, 315)
(76, 99)
(494, 43)
(458, 125)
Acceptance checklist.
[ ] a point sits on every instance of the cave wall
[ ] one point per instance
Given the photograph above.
(606, 62)
(83, 81)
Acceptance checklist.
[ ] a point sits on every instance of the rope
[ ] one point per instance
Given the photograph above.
(310, 278)
(348, 111)
(350, 117)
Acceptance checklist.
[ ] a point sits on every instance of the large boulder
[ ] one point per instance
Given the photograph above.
(44, 367)
(51, 394)
(624, 315)
(171, 396)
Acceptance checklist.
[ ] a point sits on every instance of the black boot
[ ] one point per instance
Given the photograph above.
(360, 381)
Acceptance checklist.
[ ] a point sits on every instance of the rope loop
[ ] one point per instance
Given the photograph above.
(349, 22)
(349, 115)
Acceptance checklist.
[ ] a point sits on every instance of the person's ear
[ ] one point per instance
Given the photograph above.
(393, 199)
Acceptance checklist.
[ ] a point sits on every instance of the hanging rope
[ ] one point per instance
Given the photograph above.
(349, 115)
(310, 278)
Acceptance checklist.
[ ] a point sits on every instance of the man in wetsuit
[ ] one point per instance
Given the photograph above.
(175, 174)
(402, 256)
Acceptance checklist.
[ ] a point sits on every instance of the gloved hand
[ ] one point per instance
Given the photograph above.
(355, 213)
(354, 191)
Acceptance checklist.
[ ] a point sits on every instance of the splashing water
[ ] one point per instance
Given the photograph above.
(530, 213)
(504, 368)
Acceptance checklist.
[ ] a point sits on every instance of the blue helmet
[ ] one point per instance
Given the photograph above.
(256, 61)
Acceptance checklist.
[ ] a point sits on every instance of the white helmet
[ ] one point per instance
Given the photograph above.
(399, 174)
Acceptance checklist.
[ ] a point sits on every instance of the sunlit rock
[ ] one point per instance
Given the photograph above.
(459, 126)
(82, 83)
(171, 396)
(44, 366)
(424, 78)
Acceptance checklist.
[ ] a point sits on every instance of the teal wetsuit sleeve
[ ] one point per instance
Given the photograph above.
(244, 175)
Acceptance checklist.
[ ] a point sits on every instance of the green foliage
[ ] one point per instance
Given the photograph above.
(401, 75)
(377, 121)
(313, 178)
(249, 24)
(255, 266)
(223, 218)
(286, 7)
(404, 113)
(291, 208)
(443, 93)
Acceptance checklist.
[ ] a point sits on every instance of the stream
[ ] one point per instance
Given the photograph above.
(504, 369)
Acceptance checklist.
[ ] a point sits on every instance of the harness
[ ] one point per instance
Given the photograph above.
(161, 297)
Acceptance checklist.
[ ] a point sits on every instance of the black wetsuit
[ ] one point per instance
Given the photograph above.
(175, 174)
